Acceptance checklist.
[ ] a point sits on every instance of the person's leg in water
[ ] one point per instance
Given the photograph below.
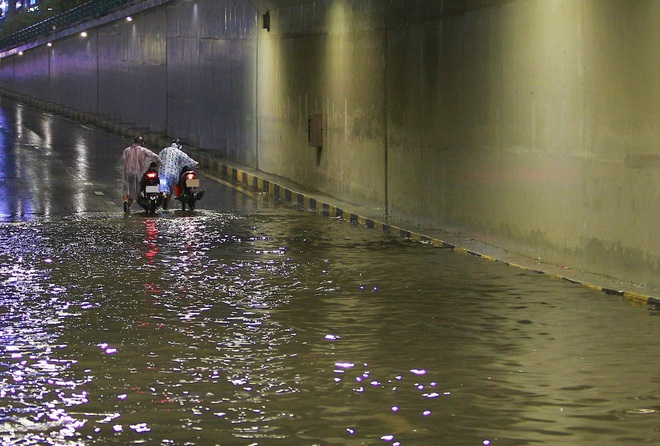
(127, 203)
(129, 181)
(165, 191)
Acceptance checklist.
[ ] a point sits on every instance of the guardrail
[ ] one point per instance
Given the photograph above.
(90, 10)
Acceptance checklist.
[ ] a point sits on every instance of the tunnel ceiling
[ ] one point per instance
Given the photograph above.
(448, 5)
(262, 5)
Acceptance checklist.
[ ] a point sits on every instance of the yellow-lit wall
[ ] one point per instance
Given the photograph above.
(532, 124)
(325, 57)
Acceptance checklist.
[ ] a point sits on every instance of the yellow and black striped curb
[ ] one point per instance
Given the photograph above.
(256, 184)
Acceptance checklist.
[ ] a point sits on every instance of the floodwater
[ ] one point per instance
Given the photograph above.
(249, 322)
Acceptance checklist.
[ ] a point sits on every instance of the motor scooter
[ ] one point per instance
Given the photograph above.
(187, 191)
(149, 196)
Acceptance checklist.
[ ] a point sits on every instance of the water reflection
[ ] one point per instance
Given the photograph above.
(81, 179)
(150, 242)
(47, 169)
(39, 388)
(9, 163)
(278, 327)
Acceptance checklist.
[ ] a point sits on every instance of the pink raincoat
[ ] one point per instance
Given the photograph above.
(135, 161)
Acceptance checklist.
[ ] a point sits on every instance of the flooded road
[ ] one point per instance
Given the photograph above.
(248, 322)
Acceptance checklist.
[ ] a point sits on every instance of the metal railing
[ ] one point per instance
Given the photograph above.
(87, 11)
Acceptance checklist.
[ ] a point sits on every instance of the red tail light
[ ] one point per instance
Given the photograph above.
(190, 175)
(152, 175)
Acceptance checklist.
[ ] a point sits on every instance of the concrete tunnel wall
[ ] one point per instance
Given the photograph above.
(179, 68)
(532, 125)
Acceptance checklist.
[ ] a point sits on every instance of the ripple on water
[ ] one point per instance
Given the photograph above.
(227, 328)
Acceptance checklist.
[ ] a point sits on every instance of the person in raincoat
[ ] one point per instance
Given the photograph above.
(134, 161)
(174, 160)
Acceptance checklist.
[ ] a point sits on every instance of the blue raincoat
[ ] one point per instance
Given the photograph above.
(174, 159)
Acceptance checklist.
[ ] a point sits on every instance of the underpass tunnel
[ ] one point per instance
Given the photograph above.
(528, 125)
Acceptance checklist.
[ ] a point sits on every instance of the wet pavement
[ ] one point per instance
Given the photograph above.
(54, 167)
(250, 321)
